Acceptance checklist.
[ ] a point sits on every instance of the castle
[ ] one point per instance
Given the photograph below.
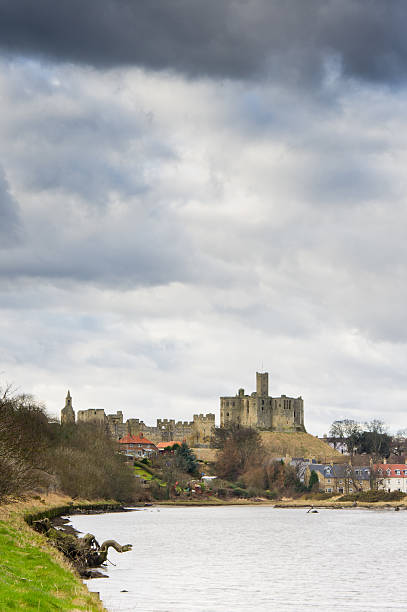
(261, 411)
(258, 410)
(197, 433)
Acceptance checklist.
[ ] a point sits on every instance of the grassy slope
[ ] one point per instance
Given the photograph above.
(33, 574)
(297, 445)
(281, 444)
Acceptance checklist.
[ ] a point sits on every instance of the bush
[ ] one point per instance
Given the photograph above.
(374, 496)
(270, 494)
(319, 495)
(239, 492)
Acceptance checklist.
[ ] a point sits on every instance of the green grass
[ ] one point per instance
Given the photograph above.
(31, 580)
(143, 474)
(139, 471)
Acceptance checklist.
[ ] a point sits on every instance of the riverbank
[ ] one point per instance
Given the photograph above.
(285, 503)
(33, 574)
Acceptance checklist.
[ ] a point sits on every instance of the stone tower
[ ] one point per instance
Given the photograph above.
(67, 413)
(261, 411)
(262, 384)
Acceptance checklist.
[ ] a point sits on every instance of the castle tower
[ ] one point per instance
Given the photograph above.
(262, 384)
(67, 413)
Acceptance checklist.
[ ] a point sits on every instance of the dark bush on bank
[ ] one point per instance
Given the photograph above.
(319, 496)
(374, 496)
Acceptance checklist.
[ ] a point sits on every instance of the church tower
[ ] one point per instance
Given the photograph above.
(67, 413)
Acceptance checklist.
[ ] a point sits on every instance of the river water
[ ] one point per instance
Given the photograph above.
(252, 559)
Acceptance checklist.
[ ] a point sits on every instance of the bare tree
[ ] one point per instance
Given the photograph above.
(346, 431)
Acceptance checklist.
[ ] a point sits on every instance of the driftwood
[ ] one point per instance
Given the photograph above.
(84, 553)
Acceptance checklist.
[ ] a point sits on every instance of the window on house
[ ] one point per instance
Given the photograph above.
(398, 472)
(227, 414)
(329, 490)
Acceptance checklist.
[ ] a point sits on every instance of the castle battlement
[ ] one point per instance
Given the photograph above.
(197, 432)
(204, 418)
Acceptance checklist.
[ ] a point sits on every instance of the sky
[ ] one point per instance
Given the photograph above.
(191, 192)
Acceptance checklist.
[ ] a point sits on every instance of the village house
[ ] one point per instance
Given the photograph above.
(391, 476)
(137, 446)
(340, 478)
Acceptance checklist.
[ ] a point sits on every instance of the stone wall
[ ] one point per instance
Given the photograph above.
(93, 415)
(196, 433)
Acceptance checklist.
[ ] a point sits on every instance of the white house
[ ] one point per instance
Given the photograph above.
(391, 476)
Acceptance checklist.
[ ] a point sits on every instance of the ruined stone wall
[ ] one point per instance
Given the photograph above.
(288, 414)
(203, 427)
(93, 415)
(117, 427)
(197, 432)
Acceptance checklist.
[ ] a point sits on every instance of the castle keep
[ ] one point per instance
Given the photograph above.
(261, 411)
(197, 432)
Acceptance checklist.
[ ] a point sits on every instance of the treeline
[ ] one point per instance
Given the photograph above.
(371, 437)
(38, 453)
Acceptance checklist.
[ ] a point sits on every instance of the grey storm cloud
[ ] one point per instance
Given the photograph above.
(232, 38)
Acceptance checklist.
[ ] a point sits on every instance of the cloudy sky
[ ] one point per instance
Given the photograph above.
(192, 191)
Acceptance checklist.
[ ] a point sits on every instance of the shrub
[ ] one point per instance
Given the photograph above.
(239, 492)
(374, 496)
(320, 495)
(270, 494)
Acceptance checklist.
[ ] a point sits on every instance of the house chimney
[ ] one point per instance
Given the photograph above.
(384, 460)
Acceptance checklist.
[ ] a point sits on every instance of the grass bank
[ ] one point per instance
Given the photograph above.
(33, 574)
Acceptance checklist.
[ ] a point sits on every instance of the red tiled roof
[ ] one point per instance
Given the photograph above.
(166, 444)
(392, 467)
(135, 440)
(126, 440)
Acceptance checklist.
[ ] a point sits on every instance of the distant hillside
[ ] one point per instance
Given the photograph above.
(297, 445)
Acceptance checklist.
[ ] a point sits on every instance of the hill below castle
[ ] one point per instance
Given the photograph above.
(280, 444)
(297, 445)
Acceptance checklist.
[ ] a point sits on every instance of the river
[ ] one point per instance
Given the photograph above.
(252, 559)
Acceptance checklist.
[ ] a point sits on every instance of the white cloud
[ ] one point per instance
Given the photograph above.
(179, 233)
